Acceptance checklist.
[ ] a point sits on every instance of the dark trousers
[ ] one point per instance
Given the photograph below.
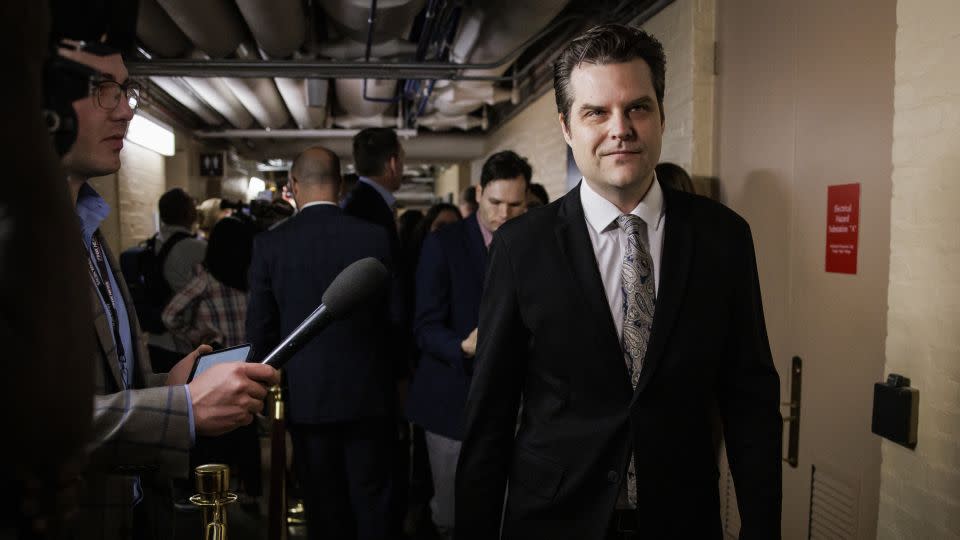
(344, 470)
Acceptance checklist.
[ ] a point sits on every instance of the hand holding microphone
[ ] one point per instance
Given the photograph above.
(356, 285)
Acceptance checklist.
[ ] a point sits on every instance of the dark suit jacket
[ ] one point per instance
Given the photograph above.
(708, 351)
(365, 203)
(449, 285)
(346, 372)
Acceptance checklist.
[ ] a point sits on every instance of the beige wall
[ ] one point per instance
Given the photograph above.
(687, 30)
(132, 194)
(920, 490)
(805, 101)
(451, 180)
(534, 134)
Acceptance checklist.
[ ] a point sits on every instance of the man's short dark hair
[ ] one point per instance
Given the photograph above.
(540, 192)
(372, 148)
(608, 44)
(504, 165)
(177, 208)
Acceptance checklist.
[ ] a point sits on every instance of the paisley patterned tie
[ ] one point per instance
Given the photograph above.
(639, 301)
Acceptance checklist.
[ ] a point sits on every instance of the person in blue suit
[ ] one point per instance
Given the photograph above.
(449, 284)
(341, 401)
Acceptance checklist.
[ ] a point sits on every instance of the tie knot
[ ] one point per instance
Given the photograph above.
(630, 223)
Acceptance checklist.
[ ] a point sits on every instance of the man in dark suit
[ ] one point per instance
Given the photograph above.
(341, 403)
(625, 317)
(449, 285)
(378, 158)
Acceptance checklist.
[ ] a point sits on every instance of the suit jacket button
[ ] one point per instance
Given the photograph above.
(613, 477)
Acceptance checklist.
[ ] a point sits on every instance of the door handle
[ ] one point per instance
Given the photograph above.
(793, 438)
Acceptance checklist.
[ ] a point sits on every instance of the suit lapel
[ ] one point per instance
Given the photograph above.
(101, 324)
(571, 234)
(141, 364)
(674, 269)
(475, 249)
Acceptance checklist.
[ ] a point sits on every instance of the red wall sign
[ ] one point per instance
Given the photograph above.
(843, 224)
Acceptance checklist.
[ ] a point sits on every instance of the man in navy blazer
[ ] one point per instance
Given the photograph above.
(449, 286)
(341, 386)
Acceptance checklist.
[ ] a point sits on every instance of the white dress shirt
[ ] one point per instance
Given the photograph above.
(608, 239)
(316, 203)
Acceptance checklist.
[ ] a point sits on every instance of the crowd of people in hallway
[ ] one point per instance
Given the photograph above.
(511, 345)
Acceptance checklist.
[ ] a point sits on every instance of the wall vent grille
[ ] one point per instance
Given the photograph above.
(834, 505)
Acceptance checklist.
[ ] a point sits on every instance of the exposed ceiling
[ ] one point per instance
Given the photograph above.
(263, 76)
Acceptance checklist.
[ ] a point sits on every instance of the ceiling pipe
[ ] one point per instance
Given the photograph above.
(219, 96)
(327, 69)
(289, 133)
(278, 26)
(179, 91)
(161, 36)
(194, 19)
(295, 93)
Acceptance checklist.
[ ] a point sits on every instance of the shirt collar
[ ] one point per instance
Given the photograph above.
(486, 233)
(316, 203)
(601, 213)
(387, 196)
(92, 210)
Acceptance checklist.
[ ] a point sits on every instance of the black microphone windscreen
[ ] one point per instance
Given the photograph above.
(355, 285)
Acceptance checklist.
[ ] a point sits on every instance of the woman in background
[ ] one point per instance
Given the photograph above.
(212, 308)
(673, 176)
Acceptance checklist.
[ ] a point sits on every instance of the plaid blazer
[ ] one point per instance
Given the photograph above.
(142, 431)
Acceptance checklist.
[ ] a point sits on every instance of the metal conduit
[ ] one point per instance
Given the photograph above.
(326, 69)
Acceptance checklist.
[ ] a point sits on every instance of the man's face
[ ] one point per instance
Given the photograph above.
(502, 200)
(614, 128)
(100, 132)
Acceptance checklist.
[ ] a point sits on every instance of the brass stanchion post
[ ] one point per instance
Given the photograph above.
(212, 483)
(277, 506)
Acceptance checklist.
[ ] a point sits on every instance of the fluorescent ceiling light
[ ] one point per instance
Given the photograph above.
(151, 135)
(254, 188)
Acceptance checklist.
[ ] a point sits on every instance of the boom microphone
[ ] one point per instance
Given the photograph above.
(356, 285)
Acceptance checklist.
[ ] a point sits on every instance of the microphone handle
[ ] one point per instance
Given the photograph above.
(309, 328)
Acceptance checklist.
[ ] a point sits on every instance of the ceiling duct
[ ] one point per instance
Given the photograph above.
(261, 98)
(393, 17)
(462, 97)
(360, 122)
(297, 93)
(346, 49)
(440, 122)
(214, 26)
(219, 96)
(377, 101)
(489, 32)
(159, 33)
(279, 26)
(179, 91)
(364, 32)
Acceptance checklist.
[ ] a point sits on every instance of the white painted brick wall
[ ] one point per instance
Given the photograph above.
(687, 30)
(132, 194)
(920, 489)
(534, 134)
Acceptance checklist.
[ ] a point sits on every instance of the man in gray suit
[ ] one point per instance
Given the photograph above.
(143, 423)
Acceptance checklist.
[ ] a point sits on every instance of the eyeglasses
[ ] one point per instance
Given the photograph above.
(108, 93)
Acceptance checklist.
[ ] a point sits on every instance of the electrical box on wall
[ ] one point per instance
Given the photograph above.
(895, 410)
